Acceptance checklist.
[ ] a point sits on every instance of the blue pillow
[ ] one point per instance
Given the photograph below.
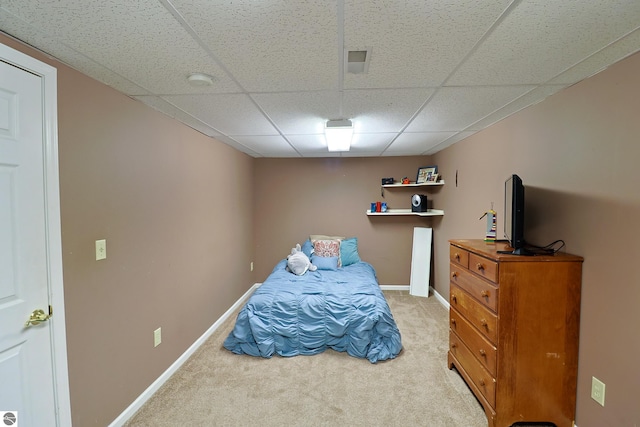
(349, 251)
(325, 262)
(307, 248)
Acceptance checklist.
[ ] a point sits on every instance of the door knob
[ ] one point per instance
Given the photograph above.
(38, 316)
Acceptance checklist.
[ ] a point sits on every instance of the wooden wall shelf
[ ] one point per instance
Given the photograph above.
(396, 212)
(413, 184)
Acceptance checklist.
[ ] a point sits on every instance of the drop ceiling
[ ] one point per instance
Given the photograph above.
(438, 70)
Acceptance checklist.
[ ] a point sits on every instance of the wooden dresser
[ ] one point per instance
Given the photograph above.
(514, 327)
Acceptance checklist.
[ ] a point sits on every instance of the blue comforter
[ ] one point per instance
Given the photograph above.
(302, 315)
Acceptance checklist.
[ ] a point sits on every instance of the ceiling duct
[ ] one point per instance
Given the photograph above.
(358, 60)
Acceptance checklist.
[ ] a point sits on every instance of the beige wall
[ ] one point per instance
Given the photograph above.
(171, 204)
(577, 153)
(299, 197)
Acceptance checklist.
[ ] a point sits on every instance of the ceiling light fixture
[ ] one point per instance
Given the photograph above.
(338, 134)
(200, 79)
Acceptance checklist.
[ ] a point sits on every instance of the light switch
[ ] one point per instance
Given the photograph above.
(101, 249)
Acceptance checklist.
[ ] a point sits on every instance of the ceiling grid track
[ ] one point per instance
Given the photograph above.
(442, 70)
(182, 21)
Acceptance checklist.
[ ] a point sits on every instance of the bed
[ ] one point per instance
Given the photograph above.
(340, 308)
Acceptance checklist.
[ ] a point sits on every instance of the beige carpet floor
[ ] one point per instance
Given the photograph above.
(218, 388)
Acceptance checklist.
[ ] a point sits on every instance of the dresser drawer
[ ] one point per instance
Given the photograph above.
(484, 267)
(478, 315)
(482, 379)
(459, 256)
(483, 350)
(480, 289)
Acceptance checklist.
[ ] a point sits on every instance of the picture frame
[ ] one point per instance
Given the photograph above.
(425, 172)
(433, 177)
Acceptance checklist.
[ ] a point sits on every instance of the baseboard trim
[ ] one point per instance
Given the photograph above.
(440, 299)
(394, 287)
(146, 395)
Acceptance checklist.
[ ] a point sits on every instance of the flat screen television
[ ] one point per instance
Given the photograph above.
(514, 215)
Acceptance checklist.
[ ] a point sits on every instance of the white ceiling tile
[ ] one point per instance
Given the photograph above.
(540, 39)
(455, 108)
(131, 37)
(229, 114)
(448, 142)
(360, 153)
(371, 142)
(611, 54)
(33, 36)
(300, 112)
(383, 110)
(170, 110)
(409, 143)
(329, 154)
(270, 46)
(533, 97)
(438, 67)
(309, 144)
(415, 44)
(274, 146)
(361, 144)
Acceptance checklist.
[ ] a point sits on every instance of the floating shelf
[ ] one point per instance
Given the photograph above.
(395, 212)
(413, 184)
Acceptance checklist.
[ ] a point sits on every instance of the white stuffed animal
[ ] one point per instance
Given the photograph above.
(298, 262)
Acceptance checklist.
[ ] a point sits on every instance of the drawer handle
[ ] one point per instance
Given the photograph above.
(483, 353)
(456, 256)
(483, 322)
(454, 346)
(484, 294)
(454, 298)
(453, 322)
(481, 382)
(480, 267)
(454, 274)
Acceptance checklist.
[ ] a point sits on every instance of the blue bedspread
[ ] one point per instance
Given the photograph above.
(294, 315)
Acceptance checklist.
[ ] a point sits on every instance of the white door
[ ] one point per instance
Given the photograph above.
(28, 367)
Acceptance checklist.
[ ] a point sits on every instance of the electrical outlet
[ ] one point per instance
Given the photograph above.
(597, 390)
(157, 337)
(101, 249)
